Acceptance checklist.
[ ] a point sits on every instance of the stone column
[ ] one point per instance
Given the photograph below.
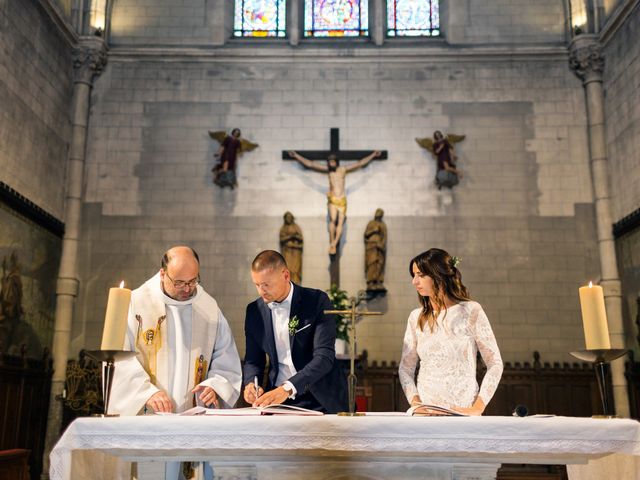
(377, 21)
(587, 62)
(293, 22)
(90, 58)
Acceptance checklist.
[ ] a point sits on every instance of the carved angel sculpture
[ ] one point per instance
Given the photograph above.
(231, 147)
(441, 147)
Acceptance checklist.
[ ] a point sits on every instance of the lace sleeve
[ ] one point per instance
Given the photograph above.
(488, 348)
(409, 360)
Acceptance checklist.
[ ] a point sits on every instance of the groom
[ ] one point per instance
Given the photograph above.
(288, 324)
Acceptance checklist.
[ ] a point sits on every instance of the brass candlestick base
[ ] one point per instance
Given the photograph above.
(600, 357)
(352, 379)
(109, 358)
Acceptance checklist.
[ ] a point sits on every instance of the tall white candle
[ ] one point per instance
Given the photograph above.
(594, 317)
(115, 319)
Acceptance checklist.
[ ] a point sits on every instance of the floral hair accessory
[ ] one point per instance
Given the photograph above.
(455, 261)
(293, 324)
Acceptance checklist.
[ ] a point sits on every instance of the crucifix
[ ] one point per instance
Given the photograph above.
(336, 197)
(352, 379)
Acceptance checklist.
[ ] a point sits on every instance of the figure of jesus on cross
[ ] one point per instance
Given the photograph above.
(336, 197)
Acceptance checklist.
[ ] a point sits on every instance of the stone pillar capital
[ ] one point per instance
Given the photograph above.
(586, 58)
(89, 59)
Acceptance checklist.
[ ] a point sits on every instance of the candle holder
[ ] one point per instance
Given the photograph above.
(600, 357)
(109, 358)
(352, 380)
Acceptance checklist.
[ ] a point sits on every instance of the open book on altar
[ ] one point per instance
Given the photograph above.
(278, 409)
(435, 410)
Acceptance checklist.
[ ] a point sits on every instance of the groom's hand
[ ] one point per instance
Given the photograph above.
(250, 393)
(272, 397)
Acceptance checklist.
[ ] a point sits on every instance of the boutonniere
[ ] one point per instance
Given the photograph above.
(293, 324)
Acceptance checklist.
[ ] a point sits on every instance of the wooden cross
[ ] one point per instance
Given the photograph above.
(352, 379)
(334, 265)
(334, 149)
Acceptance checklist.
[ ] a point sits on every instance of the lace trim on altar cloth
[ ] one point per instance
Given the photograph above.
(198, 445)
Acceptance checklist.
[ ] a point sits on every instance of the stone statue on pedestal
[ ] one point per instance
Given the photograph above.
(375, 240)
(291, 243)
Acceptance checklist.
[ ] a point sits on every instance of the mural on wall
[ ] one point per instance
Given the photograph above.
(30, 256)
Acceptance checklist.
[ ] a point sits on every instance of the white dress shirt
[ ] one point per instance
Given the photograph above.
(280, 315)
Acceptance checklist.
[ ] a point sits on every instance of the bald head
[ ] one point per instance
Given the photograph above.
(180, 272)
(180, 253)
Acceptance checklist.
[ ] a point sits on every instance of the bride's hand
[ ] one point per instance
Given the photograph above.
(476, 409)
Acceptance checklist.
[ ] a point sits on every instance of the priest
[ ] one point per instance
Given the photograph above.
(186, 352)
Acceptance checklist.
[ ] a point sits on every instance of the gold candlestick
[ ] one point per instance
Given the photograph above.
(352, 379)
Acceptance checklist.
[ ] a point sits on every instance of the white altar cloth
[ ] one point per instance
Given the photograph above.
(554, 440)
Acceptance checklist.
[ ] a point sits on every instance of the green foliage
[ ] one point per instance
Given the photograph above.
(340, 300)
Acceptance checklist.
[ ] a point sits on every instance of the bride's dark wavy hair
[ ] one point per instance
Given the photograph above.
(447, 281)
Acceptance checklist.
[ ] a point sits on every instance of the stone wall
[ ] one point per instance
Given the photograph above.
(622, 109)
(628, 250)
(521, 218)
(209, 22)
(35, 94)
(525, 270)
(610, 6)
(525, 151)
(167, 22)
(505, 21)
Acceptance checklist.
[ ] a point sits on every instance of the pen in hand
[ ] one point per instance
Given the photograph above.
(255, 384)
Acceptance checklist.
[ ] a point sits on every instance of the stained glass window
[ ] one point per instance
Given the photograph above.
(413, 18)
(336, 18)
(260, 18)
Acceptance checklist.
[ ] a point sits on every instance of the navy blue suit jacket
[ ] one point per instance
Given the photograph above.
(312, 348)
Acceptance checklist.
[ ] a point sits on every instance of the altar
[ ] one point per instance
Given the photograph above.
(332, 447)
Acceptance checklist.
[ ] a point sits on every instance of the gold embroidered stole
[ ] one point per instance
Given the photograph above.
(148, 342)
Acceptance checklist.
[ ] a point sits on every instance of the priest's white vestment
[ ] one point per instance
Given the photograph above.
(180, 344)
(174, 339)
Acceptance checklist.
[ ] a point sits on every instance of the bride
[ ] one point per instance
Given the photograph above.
(444, 335)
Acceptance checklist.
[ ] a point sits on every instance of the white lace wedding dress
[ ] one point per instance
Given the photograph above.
(447, 356)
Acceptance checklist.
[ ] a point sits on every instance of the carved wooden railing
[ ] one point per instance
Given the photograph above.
(25, 386)
(568, 389)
